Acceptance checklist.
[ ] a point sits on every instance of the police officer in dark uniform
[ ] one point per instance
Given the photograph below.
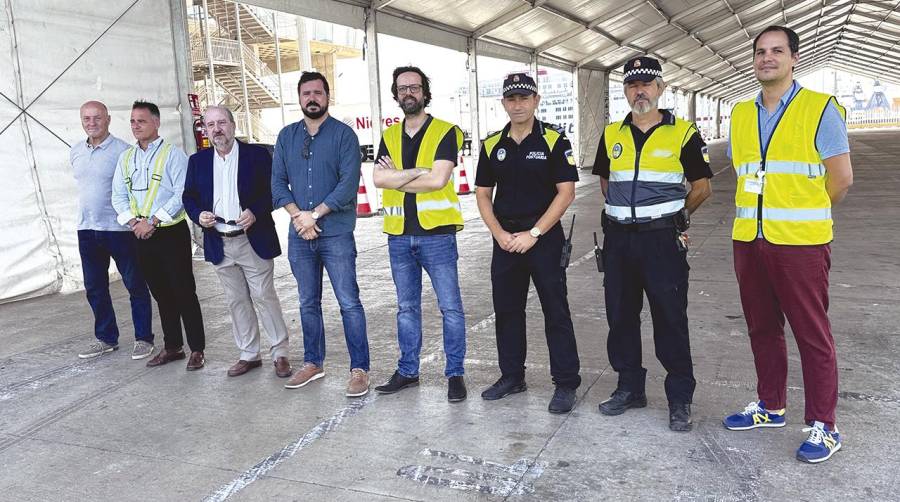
(532, 166)
(643, 162)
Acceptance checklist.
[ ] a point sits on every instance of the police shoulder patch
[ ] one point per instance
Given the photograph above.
(570, 157)
(558, 128)
(705, 152)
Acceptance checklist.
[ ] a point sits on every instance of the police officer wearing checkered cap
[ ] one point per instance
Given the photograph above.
(643, 162)
(532, 166)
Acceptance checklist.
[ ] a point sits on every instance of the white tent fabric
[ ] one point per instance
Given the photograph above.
(55, 55)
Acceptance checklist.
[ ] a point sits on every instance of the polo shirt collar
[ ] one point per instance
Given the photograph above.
(537, 129)
(103, 144)
(668, 118)
(785, 98)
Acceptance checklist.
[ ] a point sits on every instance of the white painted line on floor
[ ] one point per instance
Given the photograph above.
(267, 464)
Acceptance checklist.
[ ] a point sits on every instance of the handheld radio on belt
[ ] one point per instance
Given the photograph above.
(598, 254)
(567, 246)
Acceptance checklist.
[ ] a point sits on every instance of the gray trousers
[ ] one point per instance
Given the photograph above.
(249, 279)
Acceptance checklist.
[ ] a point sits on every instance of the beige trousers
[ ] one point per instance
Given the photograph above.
(248, 280)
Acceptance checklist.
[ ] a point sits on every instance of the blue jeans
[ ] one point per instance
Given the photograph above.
(96, 248)
(337, 255)
(437, 255)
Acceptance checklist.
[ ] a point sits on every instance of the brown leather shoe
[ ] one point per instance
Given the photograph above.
(196, 361)
(241, 367)
(282, 367)
(307, 373)
(166, 356)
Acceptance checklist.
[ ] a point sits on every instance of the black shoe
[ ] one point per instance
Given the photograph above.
(456, 389)
(621, 400)
(563, 400)
(396, 383)
(504, 387)
(680, 417)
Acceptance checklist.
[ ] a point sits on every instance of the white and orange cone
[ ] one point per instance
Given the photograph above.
(363, 208)
(464, 188)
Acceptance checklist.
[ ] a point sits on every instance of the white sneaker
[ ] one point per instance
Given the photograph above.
(142, 349)
(97, 348)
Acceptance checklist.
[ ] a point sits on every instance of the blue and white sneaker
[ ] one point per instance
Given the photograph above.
(754, 415)
(820, 445)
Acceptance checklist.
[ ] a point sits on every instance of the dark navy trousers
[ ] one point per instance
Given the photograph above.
(510, 277)
(639, 262)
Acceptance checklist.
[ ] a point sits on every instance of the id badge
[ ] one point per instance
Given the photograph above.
(753, 185)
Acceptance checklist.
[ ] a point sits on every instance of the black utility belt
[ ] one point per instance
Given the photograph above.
(519, 224)
(647, 226)
(233, 233)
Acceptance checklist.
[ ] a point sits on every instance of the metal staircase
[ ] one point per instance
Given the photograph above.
(262, 83)
(256, 27)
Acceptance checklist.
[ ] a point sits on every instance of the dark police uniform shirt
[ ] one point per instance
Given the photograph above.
(694, 154)
(410, 150)
(525, 174)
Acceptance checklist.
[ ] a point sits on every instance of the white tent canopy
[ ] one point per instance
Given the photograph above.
(58, 54)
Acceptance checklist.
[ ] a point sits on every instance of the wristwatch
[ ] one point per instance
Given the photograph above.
(535, 232)
(315, 215)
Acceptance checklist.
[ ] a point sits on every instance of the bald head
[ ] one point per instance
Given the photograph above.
(95, 121)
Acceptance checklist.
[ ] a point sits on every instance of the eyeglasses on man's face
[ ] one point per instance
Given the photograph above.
(409, 89)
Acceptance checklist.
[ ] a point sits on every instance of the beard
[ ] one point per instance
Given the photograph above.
(411, 106)
(644, 105)
(314, 114)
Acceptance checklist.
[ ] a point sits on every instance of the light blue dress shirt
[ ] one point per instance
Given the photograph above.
(93, 168)
(168, 202)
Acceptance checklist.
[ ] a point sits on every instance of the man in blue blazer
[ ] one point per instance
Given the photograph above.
(228, 193)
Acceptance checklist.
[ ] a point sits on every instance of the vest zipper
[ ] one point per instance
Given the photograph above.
(637, 163)
(762, 162)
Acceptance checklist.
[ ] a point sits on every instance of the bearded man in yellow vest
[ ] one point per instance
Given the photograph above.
(644, 161)
(414, 166)
(790, 151)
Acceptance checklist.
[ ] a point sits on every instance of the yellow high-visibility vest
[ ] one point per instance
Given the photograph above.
(434, 209)
(152, 186)
(793, 207)
(650, 186)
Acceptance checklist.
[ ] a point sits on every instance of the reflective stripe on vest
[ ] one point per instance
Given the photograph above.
(434, 209)
(645, 212)
(152, 186)
(784, 214)
(784, 167)
(796, 209)
(648, 184)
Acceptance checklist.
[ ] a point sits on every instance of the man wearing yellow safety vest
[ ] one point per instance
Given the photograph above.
(146, 194)
(414, 166)
(643, 162)
(790, 151)
(532, 166)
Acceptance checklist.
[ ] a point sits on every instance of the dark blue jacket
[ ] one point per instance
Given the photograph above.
(254, 193)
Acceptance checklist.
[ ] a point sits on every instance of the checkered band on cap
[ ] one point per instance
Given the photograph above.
(520, 85)
(644, 71)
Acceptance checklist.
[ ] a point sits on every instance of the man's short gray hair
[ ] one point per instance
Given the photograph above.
(221, 108)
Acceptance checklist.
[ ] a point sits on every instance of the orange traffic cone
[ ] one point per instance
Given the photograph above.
(363, 209)
(463, 180)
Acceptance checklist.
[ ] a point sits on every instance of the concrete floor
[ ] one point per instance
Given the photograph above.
(112, 429)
